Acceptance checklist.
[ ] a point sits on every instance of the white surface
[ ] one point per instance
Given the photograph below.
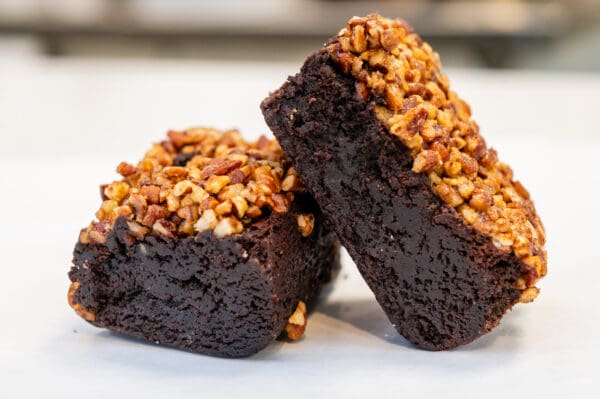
(65, 125)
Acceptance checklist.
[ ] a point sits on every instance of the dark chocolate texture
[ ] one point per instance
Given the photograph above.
(440, 282)
(226, 297)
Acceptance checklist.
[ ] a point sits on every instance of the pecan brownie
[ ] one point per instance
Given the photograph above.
(445, 237)
(209, 244)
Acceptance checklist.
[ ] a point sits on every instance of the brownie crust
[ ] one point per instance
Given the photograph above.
(227, 297)
(441, 282)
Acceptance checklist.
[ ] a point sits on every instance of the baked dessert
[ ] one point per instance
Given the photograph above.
(209, 244)
(445, 237)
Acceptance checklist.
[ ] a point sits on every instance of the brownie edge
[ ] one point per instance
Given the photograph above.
(441, 282)
(221, 296)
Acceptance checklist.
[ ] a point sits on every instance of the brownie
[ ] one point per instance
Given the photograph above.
(441, 232)
(154, 266)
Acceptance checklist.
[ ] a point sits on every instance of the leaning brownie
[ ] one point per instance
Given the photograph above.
(443, 235)
(209, 244)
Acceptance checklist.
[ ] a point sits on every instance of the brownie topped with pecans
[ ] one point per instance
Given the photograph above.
(444, 235)
(209, 244)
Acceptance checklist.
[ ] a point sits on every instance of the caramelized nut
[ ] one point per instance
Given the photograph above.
(188, 213)
(215, 183)
(425, 161)
(164, 227)
(123, 210)
(228, 226)
(521, 190)
(240, 205)
(224, 208)
(290, 183)
(220, 167)
(96, 237)
(84, 236)
(183, 187)
(117, 190)
(357, 39)
(175, 171)
(139, 204)
(172, 203)
(81, 311)
(306, 224)
(154, 213)
(448, 194)
(481, 200)
(390, 38)
(296, 324)
(137, 229)
(466, 188)
(125, 169)
(529, 295)
(253, 212)
(471, 216)
(198, 194)
(207, 221)
(151, 192)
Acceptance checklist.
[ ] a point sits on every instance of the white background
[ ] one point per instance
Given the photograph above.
(65, 125)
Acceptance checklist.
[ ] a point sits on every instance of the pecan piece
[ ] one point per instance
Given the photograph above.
(81, 311)
(220, 167)
(306, 224)
(154, 213)
(425, 161)
(125, 169)
(152, 193)
(296, 324)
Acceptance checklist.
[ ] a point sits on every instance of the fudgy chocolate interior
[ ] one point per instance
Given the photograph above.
(441, 282)
(226, 296)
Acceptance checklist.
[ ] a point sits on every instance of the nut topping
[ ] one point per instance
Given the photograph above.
(394, 69)
(224, 185)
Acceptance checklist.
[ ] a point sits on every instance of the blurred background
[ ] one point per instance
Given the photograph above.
(536, 34)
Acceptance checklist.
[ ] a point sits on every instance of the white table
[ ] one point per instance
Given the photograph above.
(65, 125)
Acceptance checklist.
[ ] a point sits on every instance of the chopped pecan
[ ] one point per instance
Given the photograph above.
(228, 226)
(220, 167)
(151, 192)
(154, 213)
(125, 169)
(296, 324)
(165, 228)
(306, 224)
(81, 311)
(425, 161)
(215, 183)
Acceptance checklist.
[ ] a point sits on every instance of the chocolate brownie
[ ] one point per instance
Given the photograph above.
(210, 244)
(441, 232)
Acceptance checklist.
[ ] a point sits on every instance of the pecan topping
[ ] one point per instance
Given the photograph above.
(398, 71)
(197, 180)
